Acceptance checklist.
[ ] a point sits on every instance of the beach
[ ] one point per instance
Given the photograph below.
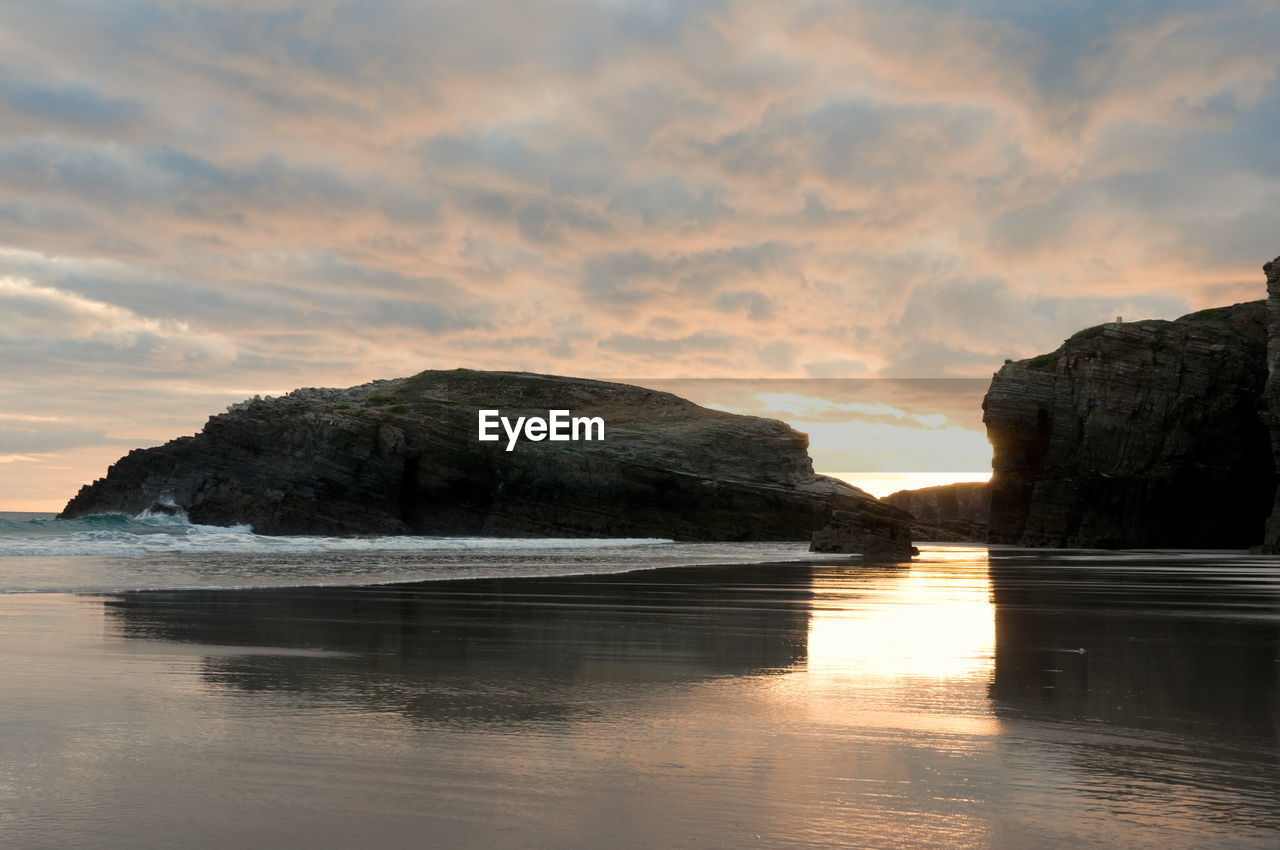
(973, 697)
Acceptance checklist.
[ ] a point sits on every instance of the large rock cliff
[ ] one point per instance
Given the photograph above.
(402, 456)
(1137, 434)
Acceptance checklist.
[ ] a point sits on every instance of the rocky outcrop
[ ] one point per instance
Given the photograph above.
(1136, 434)
(876, 537)
(1271, 398)
(402, 456)
(950, 531)
(964, 500)
(950, 512)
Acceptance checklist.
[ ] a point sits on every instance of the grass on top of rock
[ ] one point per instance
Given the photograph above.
(1090, 333)
(1044, 362)
(1219, 321)
(1214, 315)
(441, 379)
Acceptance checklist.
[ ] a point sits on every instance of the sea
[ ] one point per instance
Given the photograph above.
(164, 684)
(160, 551)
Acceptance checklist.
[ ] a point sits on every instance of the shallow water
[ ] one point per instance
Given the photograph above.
(112, 552)
(970, 699)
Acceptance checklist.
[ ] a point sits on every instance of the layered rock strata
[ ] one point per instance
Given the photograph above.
(947, 512)
(1138, 434)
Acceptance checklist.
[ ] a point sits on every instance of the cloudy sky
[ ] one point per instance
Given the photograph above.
(199, 202)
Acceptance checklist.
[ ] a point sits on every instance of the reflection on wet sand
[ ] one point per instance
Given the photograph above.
(489, 650)
(1152, 689)
(942, 703)
(1147, 647)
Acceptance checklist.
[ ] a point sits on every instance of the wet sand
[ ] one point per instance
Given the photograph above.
(1041, 700)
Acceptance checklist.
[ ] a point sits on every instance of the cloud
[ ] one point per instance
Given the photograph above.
(265, 195)
(756, 305)
(670, 201)
(35, 313)
(20, 444)
(634, 277)
(865, 425)
(76, 107)
(567, 168)
(845, 368)
(814, 408)
(657, 348)
(964, 324)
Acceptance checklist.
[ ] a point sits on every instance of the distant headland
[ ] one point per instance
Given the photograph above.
(404, 456)
(1130, 434)
(1143, 434)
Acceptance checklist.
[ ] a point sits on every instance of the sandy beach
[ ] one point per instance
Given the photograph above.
(959, 701)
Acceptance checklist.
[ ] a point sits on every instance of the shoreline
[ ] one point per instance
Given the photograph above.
(949, 700)
(1127, 557)
(853, 560)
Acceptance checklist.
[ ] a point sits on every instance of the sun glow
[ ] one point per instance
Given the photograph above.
(881, 484)
(940, 623)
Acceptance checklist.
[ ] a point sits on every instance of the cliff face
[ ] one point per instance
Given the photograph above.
(402, 456)
(948, 512)
(1271, 397)
(966, 500)
(1137, 434)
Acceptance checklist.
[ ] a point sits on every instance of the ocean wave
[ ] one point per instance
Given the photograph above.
(116, 553)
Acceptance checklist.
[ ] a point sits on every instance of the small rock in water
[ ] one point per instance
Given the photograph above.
(874, 537)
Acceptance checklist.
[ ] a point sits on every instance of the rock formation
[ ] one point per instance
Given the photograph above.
(951, 512)
(964, 500)
(876, 537)
(1271, 399)
(1138, 434)
(402, 456)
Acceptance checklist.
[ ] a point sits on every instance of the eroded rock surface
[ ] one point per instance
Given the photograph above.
(876, 537)
(402, 456)
(1137, 434)
(947, 512)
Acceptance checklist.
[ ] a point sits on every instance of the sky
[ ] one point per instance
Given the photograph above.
(203, 202)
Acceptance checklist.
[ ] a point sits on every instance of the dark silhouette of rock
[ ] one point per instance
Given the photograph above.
(964, 500)
(950, 512)
(1271, 398)
(950, 531)
(876, 537)
(402, 456)
(545, 636)
(1136, 434)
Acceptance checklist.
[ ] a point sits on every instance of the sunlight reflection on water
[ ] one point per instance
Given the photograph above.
(968, 699)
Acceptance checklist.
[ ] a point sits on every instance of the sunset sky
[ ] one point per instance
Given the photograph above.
(200, 202)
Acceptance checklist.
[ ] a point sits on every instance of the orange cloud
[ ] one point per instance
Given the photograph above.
(215, 197)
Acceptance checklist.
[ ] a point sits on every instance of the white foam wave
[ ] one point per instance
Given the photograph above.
(208, 540)
(180, 524)
(115, 553)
